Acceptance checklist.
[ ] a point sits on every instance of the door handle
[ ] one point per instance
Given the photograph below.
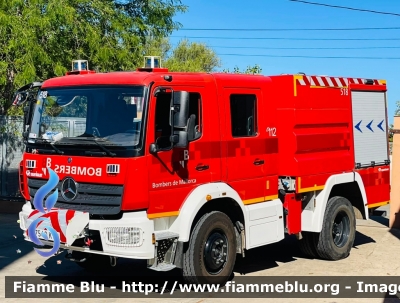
(258, 162)
(201, 167)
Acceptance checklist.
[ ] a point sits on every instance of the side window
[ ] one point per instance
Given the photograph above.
(243, 115)
(195, 109)
(162, 126)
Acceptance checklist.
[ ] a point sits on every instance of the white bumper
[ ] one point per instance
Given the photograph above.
(111, 232)
(144, 249)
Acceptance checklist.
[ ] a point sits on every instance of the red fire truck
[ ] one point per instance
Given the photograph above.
(187, 170)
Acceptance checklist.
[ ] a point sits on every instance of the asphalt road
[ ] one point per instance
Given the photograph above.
(375, 253)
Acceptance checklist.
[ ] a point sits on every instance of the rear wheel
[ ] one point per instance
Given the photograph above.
(308, 244)
(338, 230)
(211, 252)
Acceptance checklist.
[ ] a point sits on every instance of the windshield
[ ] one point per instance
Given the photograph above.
(110, 115)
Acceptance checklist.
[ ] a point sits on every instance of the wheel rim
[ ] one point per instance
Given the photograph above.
(341, 229)
(216, 252)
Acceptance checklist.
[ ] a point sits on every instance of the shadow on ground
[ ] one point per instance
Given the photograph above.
(380, 218)
(12, 243)
(258, 259)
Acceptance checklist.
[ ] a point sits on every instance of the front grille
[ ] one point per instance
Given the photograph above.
(124, 236)
(97, 199)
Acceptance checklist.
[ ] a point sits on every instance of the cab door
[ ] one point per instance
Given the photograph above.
(175, 172)
(246, 144)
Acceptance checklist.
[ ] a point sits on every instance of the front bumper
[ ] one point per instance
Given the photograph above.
(129, 237)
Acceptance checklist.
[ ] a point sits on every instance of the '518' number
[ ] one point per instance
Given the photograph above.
(344, 92)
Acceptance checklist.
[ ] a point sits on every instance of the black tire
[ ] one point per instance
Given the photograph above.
(202, 265)
(308, 244)
(338, 230)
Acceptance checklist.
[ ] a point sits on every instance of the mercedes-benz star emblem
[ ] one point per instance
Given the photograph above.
(69, 160)
(69, 189)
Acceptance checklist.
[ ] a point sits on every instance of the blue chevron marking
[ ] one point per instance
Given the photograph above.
(358, 126)
(380, 125)
(369, 126)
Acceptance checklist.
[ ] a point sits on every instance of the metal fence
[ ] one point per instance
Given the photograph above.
(11, 148)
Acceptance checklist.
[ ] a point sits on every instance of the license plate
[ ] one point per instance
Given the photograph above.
(46, 232)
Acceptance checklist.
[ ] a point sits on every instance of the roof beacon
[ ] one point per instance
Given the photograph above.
(152, 64)
(80, 67)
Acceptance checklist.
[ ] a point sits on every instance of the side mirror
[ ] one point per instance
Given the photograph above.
(26, 111)
(179, 119)
(20, 98)
(180, 140)
(180, 109)
(191, 128)
(153, 148)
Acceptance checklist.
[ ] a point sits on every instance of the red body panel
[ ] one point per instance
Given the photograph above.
(293, 206)
(316, 130)
(377, 184)
(302, 131)
(173, 174)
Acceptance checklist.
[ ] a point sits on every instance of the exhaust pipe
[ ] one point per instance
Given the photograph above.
(71, 258)
(113, 261)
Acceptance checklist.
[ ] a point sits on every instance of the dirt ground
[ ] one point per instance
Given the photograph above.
(375, 253)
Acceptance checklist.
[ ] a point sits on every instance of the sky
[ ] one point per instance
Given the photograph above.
(284, 14)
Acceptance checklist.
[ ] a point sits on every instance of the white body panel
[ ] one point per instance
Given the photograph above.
(311, 220)
(134, 219)
(264, 223)
(369, 126)
(195, 201)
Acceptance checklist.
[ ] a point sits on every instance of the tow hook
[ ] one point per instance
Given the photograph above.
(113, 261)
(88, 241)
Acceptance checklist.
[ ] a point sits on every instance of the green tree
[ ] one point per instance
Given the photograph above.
(190, 57)
(40, 38)
(390, 133)
(397, 110)
(158, 47)
(254, 70)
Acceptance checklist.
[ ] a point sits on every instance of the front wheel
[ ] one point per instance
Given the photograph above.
(211, 252)
(338, 230)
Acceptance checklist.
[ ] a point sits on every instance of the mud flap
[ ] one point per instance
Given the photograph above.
(293, 208)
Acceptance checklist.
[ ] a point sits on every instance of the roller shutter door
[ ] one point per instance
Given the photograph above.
(369, 125)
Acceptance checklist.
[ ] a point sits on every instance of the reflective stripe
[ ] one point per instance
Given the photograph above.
(62, 220)
(320, 82)
(333, 81)
(329, 81)
(301, 81)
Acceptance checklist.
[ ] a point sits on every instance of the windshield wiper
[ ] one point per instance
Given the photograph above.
(40, 140)
(107, 151)
(93, 139)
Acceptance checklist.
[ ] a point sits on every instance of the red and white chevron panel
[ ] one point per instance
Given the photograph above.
(59, 219)
(331, 81)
